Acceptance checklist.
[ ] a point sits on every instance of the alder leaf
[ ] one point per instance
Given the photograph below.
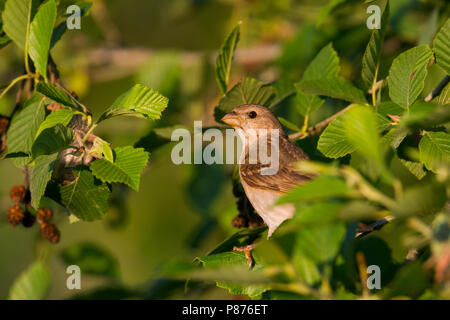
(321, 77)
(335, 87)
(362, 132)
(318, 189)
(307, 103)
(40, 36)
(224, 58)
(333, 142)
(407, 75)
(52, 140)
(53, 93)
(434, 148)
(140, 101)
(442, 47)
(324, 65)
(371, 57)
(23, 129)
(61, 116)
(86, 197)
(15, 19)
(249, 91)
(33, 284)
(40, 176)
(126, 168)
(289, 124)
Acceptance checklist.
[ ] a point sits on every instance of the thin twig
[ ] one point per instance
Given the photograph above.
(376, 225)
(437, 91)
(319, 127)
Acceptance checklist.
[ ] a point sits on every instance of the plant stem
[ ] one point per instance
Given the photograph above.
(319, 127)
(89, 132)
(305, 124)
(16, 80)
(27, 67)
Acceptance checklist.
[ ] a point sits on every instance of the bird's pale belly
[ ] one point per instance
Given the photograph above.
(262, 201)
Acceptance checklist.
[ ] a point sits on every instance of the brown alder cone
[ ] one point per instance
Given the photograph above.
(44, 215)
(18, 194)
(28, 219)
(15, 215)
(50, 232)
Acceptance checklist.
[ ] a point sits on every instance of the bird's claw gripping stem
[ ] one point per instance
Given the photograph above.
(248, 252)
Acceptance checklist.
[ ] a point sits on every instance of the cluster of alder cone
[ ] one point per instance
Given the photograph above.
(20, 212)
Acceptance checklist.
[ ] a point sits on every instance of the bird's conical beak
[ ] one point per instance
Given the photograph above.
(232, 119)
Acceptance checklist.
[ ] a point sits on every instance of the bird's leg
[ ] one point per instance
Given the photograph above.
(248, 252)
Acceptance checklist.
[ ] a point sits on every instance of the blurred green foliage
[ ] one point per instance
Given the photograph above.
(145, 245)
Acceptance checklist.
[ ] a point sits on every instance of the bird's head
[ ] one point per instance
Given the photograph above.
(252, 116)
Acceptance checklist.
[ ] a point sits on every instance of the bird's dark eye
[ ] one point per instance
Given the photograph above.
(252, 114)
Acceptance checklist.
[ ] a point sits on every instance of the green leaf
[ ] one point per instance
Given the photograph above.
(324, 65)
(362, 132)
(33, 284)
(410, 281)
(333, 142)
(320, 188)
(321, 244)
(224, 58)
(434, 148)
(307, 103)
(321, 77)
(442, 47)
(41, 34)
(230, 260)
(4, 41)
(91, 259)
(407, 75)
(61, 116)
(107, 151)
(444, 97)
(139, 101)
(239, 239)
(53, 93)
(307, 269)
(23, 129)
(52, 140)
(416, 168)
(288, 124)
(371, 58)
(126, 168)
(249, 91)
(40, 176)
(15, 19)
(389, 107)
(334, 87)
(86, 197)
(318, 212)
(233, 273)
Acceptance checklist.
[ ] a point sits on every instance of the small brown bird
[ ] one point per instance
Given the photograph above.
(263, 190)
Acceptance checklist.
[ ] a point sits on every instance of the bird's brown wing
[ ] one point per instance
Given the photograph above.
(285, 179)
